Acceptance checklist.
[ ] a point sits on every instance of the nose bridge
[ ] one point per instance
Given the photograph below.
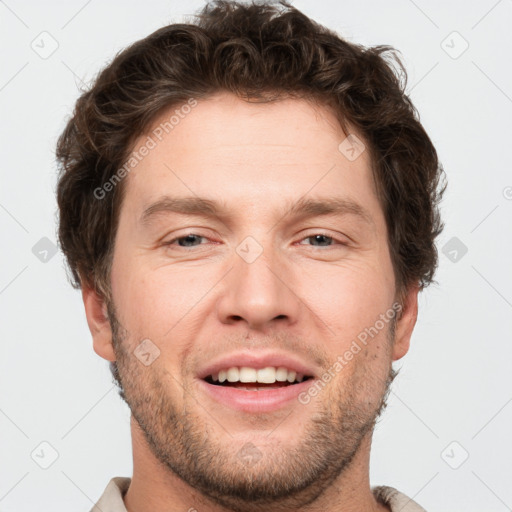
(256, 290)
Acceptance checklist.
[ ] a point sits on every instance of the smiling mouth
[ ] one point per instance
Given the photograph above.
(256, 386)
(256, 390)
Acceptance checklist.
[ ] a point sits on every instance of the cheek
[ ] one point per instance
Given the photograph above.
(347, 299)
(159, 303)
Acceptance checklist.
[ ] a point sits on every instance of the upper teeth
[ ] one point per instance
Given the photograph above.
(267, 375)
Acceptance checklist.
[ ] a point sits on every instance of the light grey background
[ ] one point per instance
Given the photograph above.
(456, 382)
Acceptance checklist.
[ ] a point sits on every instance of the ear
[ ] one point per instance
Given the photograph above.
(406, 320)
(99, 325)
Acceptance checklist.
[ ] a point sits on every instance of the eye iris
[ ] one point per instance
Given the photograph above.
(325, 237)
(187, 238)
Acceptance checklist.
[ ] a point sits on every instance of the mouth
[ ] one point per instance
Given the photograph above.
(253, 379)
(255, 390)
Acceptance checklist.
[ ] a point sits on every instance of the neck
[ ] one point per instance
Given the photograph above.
(155, 488)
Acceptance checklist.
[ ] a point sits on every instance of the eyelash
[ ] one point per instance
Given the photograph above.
(171, 242)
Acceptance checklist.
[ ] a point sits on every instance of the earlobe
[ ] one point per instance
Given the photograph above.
(406, 320)
(98, 322)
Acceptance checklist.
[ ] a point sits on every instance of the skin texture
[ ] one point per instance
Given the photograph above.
(305, 296)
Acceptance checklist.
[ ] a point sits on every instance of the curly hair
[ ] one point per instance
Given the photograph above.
(259, 51)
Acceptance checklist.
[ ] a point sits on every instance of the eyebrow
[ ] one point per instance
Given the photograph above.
(301, 208)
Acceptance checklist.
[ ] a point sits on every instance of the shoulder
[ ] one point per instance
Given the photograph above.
(112, 498)
(396, 500)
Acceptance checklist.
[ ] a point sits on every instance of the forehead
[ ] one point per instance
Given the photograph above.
(255, 153)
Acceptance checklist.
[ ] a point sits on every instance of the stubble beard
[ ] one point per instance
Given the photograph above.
(285, 478)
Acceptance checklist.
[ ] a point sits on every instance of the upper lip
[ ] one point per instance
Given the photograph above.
(257, 360)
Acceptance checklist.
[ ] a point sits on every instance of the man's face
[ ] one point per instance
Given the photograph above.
(256, 285)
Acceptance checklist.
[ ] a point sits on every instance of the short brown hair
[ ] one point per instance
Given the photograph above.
(262, 51)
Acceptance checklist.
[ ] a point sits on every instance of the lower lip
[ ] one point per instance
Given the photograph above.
(265, 400)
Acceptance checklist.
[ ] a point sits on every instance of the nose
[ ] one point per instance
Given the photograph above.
(259, 294)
